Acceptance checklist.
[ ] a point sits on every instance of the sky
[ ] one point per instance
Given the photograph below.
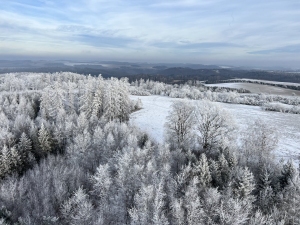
(223, 32)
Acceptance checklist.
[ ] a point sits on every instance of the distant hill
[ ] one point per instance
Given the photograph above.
(169, 72)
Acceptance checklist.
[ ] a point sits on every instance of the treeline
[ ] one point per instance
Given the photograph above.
(171, 75)
(179, 75)
(69, 156)
(62, 68)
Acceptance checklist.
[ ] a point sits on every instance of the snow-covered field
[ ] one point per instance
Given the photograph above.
(259, 88)
(152, 117)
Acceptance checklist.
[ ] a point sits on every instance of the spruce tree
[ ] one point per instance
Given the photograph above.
(78, 209)
(5, 161)
(25, 147)
(201, 170)
(44, 139)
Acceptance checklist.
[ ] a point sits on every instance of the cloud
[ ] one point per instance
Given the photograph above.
(294, 49)
(229, 29)
(184, 3)
(103, 41)
(74, 29)
(195, 46)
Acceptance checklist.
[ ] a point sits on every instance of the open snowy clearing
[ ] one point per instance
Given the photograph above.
(259, 88)
(152, 117)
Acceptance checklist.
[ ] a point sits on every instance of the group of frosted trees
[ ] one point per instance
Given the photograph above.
(69, 156)
(228, 182)
(38, 113)
(204, 121)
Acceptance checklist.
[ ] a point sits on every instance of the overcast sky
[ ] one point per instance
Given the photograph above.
(229, 32)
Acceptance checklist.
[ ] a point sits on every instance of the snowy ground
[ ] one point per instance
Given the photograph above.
(155, 110)
(259, 88)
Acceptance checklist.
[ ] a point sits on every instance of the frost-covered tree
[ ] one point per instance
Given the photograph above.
(290, 201)
(177, 211)
(244, 184)
(78, 209)
(195, 214)
(116, 102)
(5, 161)
(224, 171)
(101, 183)
(215, 125)
(16, 161)
(110, 101)
(179, 125)
(288, 174)
(259, 219)
(201, 170)
(25, 148)
(149, 206)
(22, 124)
(44, 139)
(259, 140)
(87, 103)
(52, 100)
(97, 102)
(123, 100)
(233, 211)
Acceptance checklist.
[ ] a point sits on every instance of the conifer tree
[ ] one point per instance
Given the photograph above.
(123, 101)
(244, 184)
(16, 162)
(224, 170)
(44, 139)
(149, 206)
(215, 173)
(78, 209)
(86, 100)
(97, 103)
(102, 181)
(177, 211)
(195, 213)
(201, 170)
(25, 147)
(289, 201)
(5, 161)
(109, 102)
(288, 173)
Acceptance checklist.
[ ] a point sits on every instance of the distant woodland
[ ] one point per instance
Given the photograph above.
(170, 74)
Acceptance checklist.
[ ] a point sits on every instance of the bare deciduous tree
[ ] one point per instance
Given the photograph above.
(215, 125)
(258, 142)
(179, 125)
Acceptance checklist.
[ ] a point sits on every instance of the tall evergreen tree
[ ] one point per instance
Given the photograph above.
(78, 209)
(195, 214)
(5, 161)
(44, 139)
(25, 147)
(201, 170)
(244, 184)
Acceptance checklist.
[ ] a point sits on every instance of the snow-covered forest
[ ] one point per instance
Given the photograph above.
(69, 155)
